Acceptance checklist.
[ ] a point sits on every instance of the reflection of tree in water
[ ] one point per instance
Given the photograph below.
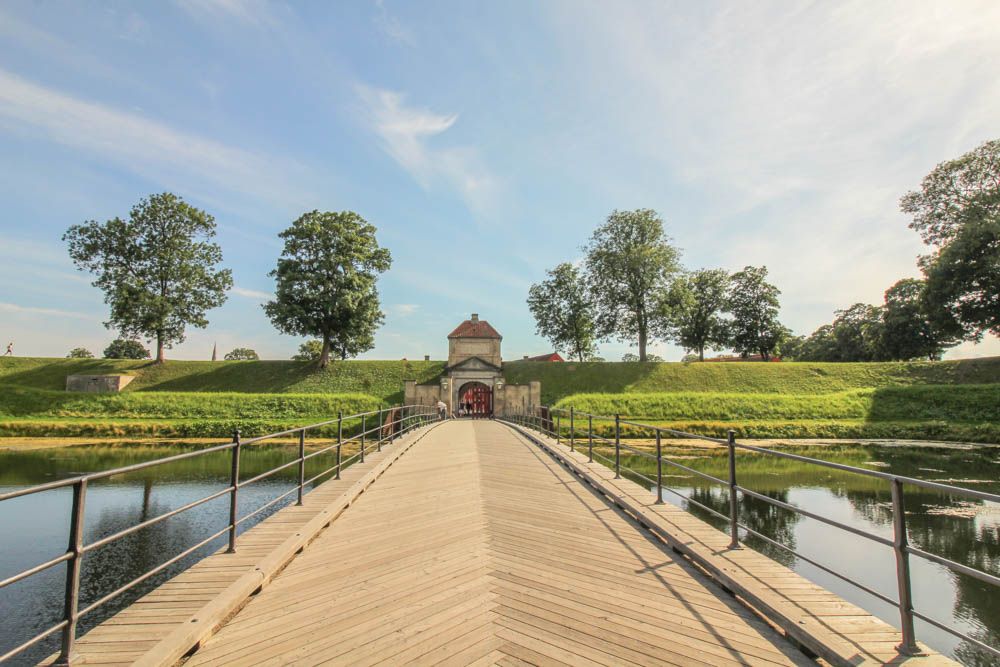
(765, 518)
(957, 536)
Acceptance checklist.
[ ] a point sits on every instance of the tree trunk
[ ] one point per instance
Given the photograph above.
(701, 353)
(324, 355)
(642, 342)
(159, 347)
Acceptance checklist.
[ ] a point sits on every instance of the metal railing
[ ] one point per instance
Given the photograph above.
(549, 421)
(389, 424)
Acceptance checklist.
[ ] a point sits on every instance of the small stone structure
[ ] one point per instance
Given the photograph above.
(97, 383)
(474, 375)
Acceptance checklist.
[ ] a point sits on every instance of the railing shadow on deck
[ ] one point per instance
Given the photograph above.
(576, 430)
(388, 424)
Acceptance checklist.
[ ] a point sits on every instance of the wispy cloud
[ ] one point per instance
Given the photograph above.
(406, 133)
(251, 293)
(146, 146)
(391, 26)
(48, 312)
(402, 309)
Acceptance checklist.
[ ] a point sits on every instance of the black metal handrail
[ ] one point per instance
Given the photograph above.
(391, 423)
(549, 421)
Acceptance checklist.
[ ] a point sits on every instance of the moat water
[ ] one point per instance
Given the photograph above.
(35, 528)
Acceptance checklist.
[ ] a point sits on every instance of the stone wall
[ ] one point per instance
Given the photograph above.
(460, 349)
(97, 383)
(421, 394)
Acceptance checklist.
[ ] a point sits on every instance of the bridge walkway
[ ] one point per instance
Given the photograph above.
(480, 548)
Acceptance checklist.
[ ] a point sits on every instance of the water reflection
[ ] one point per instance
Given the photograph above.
(36, 528)
(956, 527)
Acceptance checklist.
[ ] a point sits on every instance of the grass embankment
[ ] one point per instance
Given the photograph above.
(919, 400)
(946, 412)
(36, 412)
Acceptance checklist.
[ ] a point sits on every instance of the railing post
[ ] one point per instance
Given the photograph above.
(618, 446)
(364, 427)
(72, 599)
(234, 481)
(572, 435)
(734, 528)
(908, 646)
(302, 463)
(659, 468)
(381, 427)
(558, 429)
(590, 438)
(340, 440)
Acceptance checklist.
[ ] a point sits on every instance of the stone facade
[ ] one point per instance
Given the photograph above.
(97, 383)
(474, 358)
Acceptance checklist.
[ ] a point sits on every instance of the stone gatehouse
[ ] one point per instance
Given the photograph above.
(474, 375)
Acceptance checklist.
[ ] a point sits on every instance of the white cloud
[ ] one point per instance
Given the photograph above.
(406, 134)
(251, 293)
(402, 309)
(391, 26)
(49, 312)
(796, 128)
(148, 147)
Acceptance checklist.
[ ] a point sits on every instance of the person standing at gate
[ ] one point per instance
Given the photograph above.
(442, 410)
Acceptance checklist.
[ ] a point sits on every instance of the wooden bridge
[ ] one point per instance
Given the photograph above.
(474, 542)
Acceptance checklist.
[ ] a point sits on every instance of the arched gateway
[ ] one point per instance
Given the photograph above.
(474, 374)
(476, 399)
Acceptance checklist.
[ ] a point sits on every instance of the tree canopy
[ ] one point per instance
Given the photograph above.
(80, 353)
(563, 311)
(124, 348)
(698, 300)
(326, 282)
(753, 302)
(242, 354)
(158, 269)
(631, 263)
(309, 351)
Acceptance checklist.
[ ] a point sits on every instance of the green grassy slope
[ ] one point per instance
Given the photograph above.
(562, 380)
(381, 379)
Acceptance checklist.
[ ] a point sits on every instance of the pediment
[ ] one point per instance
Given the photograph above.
(473, 364)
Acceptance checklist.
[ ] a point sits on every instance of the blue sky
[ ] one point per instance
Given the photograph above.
(485, 141)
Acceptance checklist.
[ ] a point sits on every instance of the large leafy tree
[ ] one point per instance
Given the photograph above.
(80, 353)
(698, 301)
(858, 333)
(242, 354)
(957, 212)
(631, 263)
(753, 302)
(159, 269)
(123, 348)
(908, 329)
(309, 351)
(563, 311)
(326, 282)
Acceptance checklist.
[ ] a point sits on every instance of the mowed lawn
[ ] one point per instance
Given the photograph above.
(952, 400)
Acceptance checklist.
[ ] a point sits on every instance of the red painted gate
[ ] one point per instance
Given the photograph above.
(477, 399)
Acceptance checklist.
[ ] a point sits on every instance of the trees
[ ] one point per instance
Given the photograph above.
(957, 211)
(857, 333)
(630, 358)
(698, 300)
(80, 353)
(158, 269)
(753, 303)
(124, 348)
(908, 329)
(242, 354)
(326, 279)
(563, 311)
(631, 264)
(309, 351)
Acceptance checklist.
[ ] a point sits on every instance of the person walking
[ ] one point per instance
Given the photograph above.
(442, 410)
(10, 350)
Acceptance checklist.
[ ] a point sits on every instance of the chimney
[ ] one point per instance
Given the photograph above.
(475, 317)
(427, 357)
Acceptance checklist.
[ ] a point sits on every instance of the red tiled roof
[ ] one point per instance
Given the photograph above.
(474, 329)
(551, 356)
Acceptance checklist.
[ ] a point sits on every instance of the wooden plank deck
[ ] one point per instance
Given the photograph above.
(482, 546)
(481, 549)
